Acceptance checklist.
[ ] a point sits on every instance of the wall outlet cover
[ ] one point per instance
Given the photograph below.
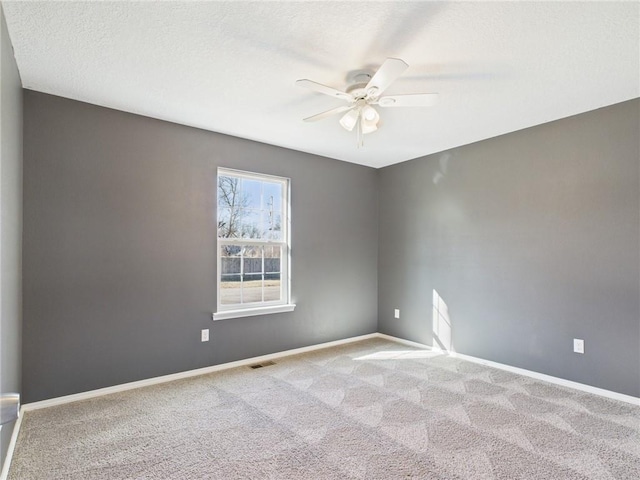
(396, 313)
(204, 335)
(578, 345)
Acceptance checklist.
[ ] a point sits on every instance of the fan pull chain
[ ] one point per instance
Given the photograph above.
(360, 136)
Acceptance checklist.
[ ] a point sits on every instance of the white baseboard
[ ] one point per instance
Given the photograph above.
(527, 373)
(4, 474)
(556, 380)
(409, 343)
(215, 368)
(190, 373)
(249, 361)
(157, 380)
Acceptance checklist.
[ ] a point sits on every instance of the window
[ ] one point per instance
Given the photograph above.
(253, 244)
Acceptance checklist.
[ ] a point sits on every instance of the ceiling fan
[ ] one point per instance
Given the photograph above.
(363, 92)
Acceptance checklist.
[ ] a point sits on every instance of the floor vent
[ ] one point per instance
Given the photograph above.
(263, 364)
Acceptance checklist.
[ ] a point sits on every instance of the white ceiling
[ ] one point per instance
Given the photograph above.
(230, 67)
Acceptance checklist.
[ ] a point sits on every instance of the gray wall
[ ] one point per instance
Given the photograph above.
(531, 239)
(11, 226)
(119, 248)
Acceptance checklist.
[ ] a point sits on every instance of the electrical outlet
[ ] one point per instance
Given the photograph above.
(204, 335)
(578, 345)
(396, 313)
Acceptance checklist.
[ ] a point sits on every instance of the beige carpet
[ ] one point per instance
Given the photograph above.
(368, 410)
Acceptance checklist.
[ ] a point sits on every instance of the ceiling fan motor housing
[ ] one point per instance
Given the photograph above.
(356, 83)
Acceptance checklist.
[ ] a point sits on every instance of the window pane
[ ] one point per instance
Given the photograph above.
(249, 223)
(272, 212)
(252, 288)
(272, 192)
(272, 268)
(272, 291)
(251, 194)
(225, 222)
(230, 280)
(252, 261)
(272, 225)
(230, 259)
(230, 286)
(228, 191)
(252, 278)
(272, 259)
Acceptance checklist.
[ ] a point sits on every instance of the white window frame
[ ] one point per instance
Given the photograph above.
(258, 308)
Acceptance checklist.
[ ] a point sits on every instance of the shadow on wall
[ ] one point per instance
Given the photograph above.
(441, 325)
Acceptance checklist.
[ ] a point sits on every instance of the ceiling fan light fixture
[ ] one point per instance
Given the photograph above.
(349, 119)
(368, 127)
(370, 114)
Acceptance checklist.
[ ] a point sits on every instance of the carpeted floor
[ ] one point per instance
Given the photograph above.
(367, 410)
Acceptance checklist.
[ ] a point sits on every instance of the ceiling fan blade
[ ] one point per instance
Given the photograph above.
(320, 88)
(409, 100)
(328, 113)
(390, 70)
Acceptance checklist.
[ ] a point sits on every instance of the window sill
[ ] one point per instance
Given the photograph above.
(250, 312)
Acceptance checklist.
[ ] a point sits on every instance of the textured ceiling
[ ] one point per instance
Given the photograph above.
(230, 67)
